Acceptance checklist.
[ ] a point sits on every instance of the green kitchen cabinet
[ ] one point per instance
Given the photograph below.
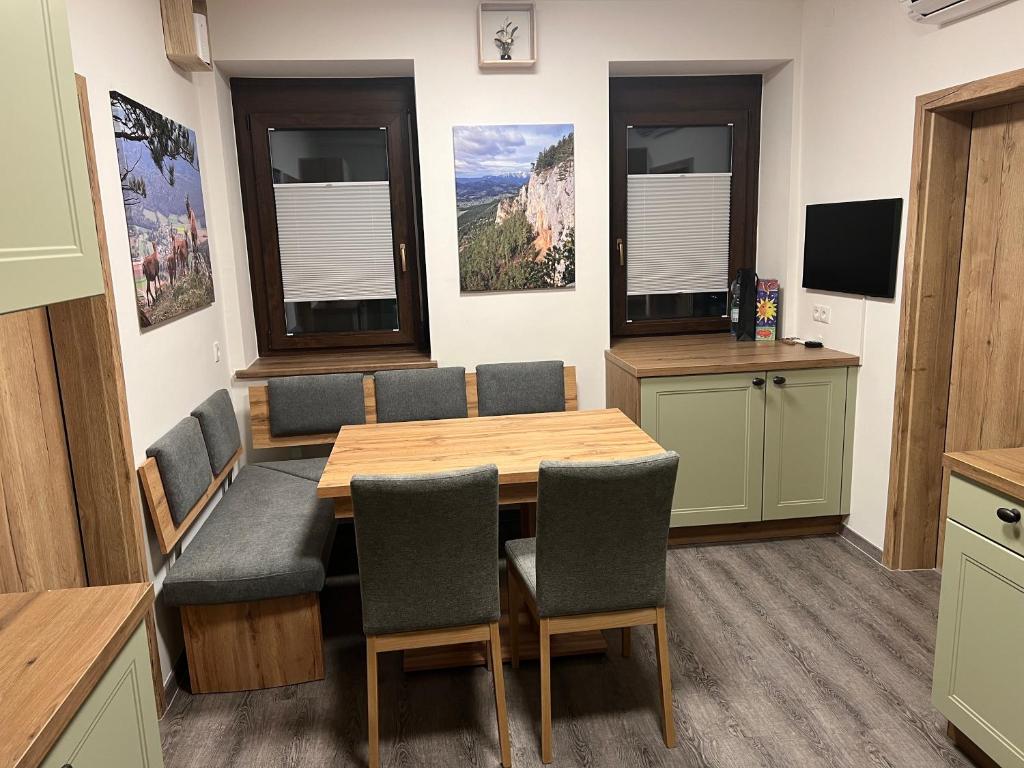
(117, 726)
(716, 425)
(48, 245)
(978, 661)
(805, 424)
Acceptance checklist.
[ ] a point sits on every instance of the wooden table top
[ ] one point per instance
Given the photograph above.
(716, 353)
(54, 648)
(516, 444)
(1001, 469)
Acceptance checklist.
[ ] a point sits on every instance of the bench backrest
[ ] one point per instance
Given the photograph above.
(198, 454)
(259, 411)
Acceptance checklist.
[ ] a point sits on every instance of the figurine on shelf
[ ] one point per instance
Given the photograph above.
(505, 39)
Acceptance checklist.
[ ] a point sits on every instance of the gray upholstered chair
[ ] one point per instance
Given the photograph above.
(420, 394)
(597, 562)
(507, 388)
(427, 571)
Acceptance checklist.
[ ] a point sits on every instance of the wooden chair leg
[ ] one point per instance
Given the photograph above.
(545, 692)
(665, 675)
(627, 642)
(372, 709)
(515, 607)
(499, 694)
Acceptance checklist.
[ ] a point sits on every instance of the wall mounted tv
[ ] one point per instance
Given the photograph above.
(853, 247)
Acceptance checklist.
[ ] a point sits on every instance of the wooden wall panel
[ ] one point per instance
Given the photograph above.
(39, 540)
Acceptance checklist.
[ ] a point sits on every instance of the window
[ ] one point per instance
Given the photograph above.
(684, 159)
(328, 171)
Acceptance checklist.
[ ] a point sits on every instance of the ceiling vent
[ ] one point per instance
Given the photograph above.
(943, 11)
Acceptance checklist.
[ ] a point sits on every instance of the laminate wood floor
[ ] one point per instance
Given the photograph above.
(794, 653)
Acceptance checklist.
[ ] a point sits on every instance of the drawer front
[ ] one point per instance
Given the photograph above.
(974, 507)
(116, 726)
(979, 665)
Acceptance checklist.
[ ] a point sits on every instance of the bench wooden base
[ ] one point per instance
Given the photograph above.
(247, 646)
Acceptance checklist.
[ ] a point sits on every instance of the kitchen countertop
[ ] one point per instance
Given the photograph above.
(1001, 469)
(689, 355)
(54, 648)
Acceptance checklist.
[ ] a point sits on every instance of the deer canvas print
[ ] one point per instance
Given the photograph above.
(163, 205)
(515, 193)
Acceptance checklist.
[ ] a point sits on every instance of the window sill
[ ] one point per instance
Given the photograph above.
(354, 361)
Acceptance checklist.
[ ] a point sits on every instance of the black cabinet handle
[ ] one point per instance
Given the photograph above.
(758, 382)
(779, 380)
(1008, 515)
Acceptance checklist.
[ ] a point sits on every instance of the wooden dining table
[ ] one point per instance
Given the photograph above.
(516, 445)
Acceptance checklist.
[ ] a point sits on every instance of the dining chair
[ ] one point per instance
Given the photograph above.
(597, 562)
(420, 394)
(507, 388)
(427, 572)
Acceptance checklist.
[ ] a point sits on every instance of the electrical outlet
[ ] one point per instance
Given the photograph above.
(816, 313)
(821, 314)
(216, 351)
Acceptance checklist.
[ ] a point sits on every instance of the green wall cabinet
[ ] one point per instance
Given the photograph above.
(979, 664)
(116, 727)
(767, 445)
(48, 245)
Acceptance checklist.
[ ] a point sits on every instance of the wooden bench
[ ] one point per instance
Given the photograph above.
(259, 411)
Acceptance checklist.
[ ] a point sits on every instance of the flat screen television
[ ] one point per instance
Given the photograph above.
(853, 247)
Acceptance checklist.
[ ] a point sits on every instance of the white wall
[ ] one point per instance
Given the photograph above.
(577, 40)
(168, 370)
(863, 64)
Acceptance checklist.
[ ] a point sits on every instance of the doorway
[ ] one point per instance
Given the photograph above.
(958, 373)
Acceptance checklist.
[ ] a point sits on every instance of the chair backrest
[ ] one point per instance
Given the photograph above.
(426, 546)
(312, 405)
(602, 534)
(506, 388)
(216, 416)
(420, 394)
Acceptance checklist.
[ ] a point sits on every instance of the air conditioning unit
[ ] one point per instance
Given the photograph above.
(943, 11)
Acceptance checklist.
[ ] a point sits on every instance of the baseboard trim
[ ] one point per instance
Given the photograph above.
(862, 544)
(759, 530)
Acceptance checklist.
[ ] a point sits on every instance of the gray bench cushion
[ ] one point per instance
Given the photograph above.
(504, 388)
(216, 417)
(307, 469)
(521, 555)
(265, 538)
(184, 466)
(421, 394)
(315, 405)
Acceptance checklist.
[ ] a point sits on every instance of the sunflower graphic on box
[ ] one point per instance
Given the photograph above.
(767, 314)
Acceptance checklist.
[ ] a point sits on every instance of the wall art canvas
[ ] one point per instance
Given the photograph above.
(163, 204)
(515, 191)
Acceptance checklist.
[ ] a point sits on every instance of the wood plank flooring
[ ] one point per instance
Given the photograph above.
(784, 653)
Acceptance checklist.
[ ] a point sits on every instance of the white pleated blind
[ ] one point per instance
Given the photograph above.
(677, 233)
(335, 241)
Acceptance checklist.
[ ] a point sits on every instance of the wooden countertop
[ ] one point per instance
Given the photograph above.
(648, 356)
(1001, 469)
(54, 648)
(354, 361)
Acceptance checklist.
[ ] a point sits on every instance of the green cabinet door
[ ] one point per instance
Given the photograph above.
(979, 664)
(805, 426)
(48, 246)
(716, 425)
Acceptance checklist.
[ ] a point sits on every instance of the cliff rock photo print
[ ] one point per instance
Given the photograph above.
(515, 190)
(163, 205)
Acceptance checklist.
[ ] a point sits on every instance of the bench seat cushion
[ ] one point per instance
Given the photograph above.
(307, 469)
(267, 537)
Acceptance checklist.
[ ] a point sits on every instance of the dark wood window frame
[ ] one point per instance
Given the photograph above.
(260, 104)
(675, 101)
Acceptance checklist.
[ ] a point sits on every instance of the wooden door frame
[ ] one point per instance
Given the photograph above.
(935, 218)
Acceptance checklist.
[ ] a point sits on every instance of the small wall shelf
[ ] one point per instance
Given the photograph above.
(490, 17)
(180, 40)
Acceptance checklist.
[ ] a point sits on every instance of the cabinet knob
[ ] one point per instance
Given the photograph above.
(1008, 515)
(779, 380)
(758, 382)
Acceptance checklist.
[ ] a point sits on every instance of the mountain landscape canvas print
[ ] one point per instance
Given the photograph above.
(515, 191)
(163, 204)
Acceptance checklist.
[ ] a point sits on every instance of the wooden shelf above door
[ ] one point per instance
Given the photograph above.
(180, 41)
